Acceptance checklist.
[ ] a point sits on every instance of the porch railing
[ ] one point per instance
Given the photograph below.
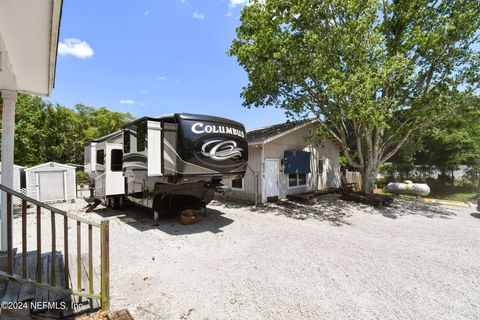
(103, 295)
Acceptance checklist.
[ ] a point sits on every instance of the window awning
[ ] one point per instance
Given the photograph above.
(297, 161)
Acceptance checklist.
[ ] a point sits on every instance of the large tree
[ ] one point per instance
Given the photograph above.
(372, 71)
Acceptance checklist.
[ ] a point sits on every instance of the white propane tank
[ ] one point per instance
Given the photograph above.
(408, 187)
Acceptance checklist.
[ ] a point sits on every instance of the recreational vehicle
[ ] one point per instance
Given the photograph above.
(170, 162)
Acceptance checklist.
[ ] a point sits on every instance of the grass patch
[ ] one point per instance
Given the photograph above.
(457, 196)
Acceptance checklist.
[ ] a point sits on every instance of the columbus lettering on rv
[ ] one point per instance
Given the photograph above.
(222, 150)
(201, 128)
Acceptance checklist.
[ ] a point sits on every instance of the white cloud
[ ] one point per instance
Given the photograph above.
(162, 78)
(195, 13)
(235, 3)
(75, 47)
(198, 15)
(144, 91)
(127, 101)
(146, 13)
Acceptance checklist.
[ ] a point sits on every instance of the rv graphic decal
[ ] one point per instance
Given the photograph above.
(222, 150)
(199, 127)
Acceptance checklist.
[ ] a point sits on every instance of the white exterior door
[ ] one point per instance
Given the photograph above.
(271, 177)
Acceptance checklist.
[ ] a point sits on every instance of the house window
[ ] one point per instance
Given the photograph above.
(297, 180)
(320, 166)
(126, 141)
(101, 156)
(116, 160)
(237, 184)
(141, 128)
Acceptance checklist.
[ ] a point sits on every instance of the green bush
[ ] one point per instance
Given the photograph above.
(82, 177)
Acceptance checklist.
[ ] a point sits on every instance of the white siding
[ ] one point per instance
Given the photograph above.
(18, 171)
(249, 182)
(326, 151)
(32, 182)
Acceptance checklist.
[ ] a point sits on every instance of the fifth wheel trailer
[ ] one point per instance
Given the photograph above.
(171, 162)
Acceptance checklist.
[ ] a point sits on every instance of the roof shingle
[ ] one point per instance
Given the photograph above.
(261, 134)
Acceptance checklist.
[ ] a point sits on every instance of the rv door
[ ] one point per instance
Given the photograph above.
(100, 171)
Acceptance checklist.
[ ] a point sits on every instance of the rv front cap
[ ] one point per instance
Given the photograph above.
(199, 127)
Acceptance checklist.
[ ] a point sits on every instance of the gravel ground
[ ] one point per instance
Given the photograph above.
(328, 260)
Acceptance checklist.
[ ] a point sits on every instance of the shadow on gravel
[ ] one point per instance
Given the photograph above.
(142, 219)
(402, 207)
(323, 208)
(475, 215)
(330, 208)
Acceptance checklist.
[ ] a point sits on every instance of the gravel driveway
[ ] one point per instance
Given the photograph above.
(327, 260)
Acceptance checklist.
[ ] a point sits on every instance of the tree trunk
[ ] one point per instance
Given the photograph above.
(369, 174)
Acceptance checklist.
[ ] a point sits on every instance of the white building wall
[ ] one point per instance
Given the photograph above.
(252, 180)
(326, 151)
(32, 185)
(18, 171)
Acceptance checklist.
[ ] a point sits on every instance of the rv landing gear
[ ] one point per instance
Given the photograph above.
(92, 205)
(155, 218)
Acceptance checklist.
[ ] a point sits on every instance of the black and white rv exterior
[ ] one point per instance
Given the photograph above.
(170, 162)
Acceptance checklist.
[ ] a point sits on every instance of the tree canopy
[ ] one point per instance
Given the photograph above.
(372, 71)
(456, 141)
(46, 132)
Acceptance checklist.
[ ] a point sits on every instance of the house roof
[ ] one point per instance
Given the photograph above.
(50, 163)
(15, 166)
(29, 31)
(267, 134)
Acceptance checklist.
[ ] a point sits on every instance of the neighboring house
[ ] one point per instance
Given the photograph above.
(18, 181)
(281, 161)
(51, 182)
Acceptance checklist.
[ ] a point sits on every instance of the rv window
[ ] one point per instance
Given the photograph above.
(126, 141)
(101, 156)
(116, 160)
(141, 136)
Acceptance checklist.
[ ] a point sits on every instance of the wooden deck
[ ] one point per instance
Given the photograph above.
(44, 302)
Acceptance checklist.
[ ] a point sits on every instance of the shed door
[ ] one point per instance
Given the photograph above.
(51, 186)
(271, 177)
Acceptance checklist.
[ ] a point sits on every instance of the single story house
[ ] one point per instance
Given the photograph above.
(282, 161)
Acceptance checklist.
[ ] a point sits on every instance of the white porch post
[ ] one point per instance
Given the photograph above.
(8, 131)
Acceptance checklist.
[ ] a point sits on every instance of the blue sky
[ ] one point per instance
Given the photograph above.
(153, 57)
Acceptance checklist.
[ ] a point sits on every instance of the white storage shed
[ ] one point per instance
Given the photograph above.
(51, 182)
